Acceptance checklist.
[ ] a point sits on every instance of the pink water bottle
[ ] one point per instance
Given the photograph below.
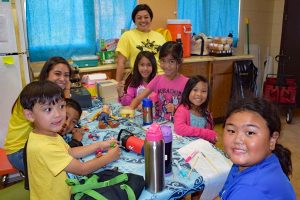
(154, 159)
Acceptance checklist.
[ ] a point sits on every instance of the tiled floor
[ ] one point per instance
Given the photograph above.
(290, 138)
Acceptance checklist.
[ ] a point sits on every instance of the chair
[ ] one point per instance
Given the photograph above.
(5, 168)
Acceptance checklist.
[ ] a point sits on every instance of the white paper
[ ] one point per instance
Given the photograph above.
(210, 164)
(3, 29)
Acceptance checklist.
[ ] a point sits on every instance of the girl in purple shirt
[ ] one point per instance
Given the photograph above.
(144, 70)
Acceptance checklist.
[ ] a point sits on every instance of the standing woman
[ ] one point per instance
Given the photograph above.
(57, 70)
(140, 39)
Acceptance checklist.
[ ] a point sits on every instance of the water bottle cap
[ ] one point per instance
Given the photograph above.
(154, 133)
(146, 102)
(167, 133)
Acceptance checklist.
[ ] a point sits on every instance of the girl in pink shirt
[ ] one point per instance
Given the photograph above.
(168, 86)
(192, 117)
(144, 70)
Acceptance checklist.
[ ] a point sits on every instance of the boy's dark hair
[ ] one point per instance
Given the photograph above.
(141, 7)
(74, 104)
(270, 114)
(191, 83)
(48, 66)
(40, 92)
(137, 78)
(173, 48)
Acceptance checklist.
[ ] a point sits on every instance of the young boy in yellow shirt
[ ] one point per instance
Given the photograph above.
(49, 157)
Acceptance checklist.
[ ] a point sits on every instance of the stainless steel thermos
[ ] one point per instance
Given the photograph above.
(154, 159)
(147, 111)
(168, 137)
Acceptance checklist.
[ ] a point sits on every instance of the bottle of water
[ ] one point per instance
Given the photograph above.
(154, 159)
(168, 137)
(147, 111)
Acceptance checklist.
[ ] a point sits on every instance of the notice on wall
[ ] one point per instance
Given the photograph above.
(3, 29)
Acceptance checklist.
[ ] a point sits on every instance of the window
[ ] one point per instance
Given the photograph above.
(211, 17)
(66, 27)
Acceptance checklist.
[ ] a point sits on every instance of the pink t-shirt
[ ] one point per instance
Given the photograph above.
(131, 93)
(168, 91)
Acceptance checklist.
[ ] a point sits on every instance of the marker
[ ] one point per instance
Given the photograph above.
(193, 166)
(181, 170)
(191, 156)
(112, 144)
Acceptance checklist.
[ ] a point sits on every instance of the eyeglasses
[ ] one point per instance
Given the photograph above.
(170, 62)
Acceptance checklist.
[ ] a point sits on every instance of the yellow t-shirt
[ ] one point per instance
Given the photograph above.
(134, 41)
(47, 157)
(18, 130)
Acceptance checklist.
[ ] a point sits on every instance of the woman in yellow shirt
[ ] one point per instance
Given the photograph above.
(56, 69)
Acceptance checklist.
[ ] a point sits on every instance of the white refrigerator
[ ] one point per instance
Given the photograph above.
(14, 70)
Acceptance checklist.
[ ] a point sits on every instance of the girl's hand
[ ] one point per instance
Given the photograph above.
(170, 108)
(114, 153)
(140, 107)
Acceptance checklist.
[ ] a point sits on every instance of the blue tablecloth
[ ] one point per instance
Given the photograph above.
(176, 186)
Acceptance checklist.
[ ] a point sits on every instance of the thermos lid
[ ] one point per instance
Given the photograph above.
(154, 133)
(167, 133)
(146, 102)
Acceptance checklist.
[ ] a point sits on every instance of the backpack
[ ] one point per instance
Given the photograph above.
(107, 184)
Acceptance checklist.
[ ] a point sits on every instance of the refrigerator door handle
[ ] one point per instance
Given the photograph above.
(12, 54)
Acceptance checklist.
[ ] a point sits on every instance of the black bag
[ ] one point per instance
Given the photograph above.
(244, 80)
(107, 184)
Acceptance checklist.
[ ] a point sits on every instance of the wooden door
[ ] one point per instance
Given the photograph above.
(289, 56)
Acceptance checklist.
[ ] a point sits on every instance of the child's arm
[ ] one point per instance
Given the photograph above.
(84, 168)
(137, 100)
(128, 97)
(79, 152)
(182, 128)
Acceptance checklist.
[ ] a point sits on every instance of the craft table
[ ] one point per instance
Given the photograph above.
(176, 186)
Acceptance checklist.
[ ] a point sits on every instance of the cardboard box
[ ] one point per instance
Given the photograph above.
(109, 100)
(107, 88)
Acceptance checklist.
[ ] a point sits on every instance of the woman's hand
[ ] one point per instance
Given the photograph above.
(120, 88)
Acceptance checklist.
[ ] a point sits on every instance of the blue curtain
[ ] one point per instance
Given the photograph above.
(113, 16)
(60, 28)
(211, 17)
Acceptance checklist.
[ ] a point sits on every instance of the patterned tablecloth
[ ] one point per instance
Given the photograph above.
(176, 186)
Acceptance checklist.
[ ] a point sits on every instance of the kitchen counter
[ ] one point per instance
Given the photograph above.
(37, 66)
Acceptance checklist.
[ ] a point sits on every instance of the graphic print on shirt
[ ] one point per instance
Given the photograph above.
(149, 46)
(140, 89)
(167, 96)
